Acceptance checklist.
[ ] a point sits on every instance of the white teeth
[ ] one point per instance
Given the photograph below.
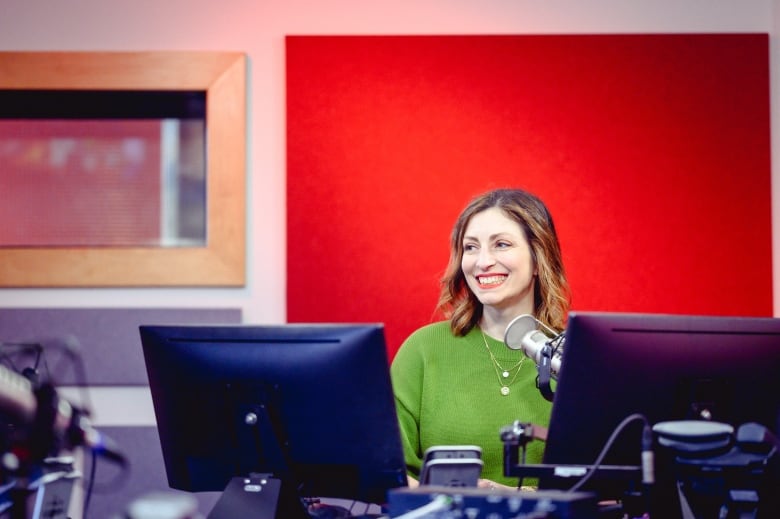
(491, 280)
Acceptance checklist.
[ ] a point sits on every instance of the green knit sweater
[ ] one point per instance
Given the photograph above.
(447, 392)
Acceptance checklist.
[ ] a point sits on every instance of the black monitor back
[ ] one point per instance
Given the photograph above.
(665, 367)
(310, 404)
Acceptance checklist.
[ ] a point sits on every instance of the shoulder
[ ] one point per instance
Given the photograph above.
(429, 342)
(437, 333)
(432, 340)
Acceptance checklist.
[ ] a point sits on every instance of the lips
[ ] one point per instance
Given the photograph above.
(492, 280)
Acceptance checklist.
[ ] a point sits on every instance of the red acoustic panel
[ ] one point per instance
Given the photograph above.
(652, 151)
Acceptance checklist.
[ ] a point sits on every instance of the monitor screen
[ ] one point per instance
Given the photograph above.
(309, 404)
(665, 367)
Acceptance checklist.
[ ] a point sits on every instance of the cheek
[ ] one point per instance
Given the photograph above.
(466, 264)
(525, 267)
(526, 259)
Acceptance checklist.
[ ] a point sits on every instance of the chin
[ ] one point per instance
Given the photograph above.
(491, 300)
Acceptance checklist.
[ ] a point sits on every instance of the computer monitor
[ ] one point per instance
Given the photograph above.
(310, 405)
(665, 367)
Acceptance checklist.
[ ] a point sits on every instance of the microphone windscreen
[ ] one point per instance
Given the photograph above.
(517, 330)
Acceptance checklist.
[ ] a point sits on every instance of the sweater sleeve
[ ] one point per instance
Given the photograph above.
(406, 373)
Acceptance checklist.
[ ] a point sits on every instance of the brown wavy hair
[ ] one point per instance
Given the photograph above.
(551, 293)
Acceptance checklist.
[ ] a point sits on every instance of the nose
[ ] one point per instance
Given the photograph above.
(485, 259)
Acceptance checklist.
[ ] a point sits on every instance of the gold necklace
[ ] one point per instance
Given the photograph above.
(502, 373)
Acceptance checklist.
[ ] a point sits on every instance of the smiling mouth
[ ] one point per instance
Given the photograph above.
(490, 281)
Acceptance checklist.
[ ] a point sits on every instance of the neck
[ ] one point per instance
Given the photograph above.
(494, 321)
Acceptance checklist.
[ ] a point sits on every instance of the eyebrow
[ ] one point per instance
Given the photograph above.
(491, 237)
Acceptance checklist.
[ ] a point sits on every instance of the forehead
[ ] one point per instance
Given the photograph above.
(491, 222)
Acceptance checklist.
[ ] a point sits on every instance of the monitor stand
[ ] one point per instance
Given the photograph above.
(257, 496)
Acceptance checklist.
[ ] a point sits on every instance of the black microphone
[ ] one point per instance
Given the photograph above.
(42, 407)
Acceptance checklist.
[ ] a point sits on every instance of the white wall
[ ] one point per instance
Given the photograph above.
(258, 28)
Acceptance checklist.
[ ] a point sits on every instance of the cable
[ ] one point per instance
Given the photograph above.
(90, 484)
(71, 348)
(439, 504)
(608, 445)
(22, 349)
(557, 344)
(68, 346)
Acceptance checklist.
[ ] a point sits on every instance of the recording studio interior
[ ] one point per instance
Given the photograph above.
(297, 259)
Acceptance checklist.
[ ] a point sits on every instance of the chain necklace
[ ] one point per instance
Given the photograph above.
(502, 373)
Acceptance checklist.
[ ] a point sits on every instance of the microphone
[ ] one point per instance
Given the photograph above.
(42, 408)
(523, 334)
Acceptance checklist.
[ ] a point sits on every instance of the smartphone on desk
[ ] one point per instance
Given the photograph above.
(452, 466)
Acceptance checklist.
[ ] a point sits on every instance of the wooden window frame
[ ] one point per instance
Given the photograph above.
(221, 262)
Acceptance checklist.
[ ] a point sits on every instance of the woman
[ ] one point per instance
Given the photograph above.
(455, 381)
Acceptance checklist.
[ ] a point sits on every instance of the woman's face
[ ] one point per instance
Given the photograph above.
(497, 262)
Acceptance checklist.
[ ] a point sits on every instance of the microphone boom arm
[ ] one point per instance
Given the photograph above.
(544, 371)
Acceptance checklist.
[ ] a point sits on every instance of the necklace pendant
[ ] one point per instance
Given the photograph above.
(505, 374)
(504, 390)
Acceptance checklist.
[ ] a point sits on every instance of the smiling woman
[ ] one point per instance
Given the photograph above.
(122, 169)
(455, 381)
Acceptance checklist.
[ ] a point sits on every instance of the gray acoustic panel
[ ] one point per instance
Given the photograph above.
(108, 340)
(114, 489)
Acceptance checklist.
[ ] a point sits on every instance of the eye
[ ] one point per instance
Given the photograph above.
(469, 247)
(503, 245)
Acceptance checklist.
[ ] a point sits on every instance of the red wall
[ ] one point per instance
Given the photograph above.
(652, 151)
